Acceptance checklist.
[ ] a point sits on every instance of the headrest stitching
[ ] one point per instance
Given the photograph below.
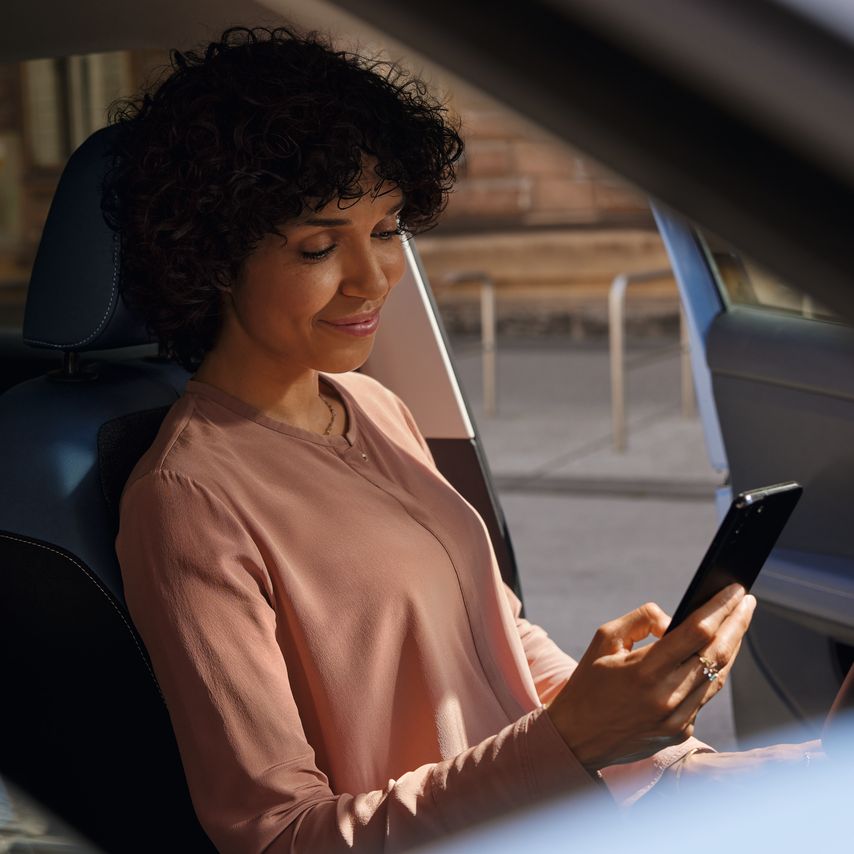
(113, 295)
(107, 596)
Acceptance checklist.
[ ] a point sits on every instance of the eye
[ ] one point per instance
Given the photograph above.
(320, 254)
(387, 235)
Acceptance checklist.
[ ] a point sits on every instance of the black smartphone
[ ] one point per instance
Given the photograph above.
(741, 545)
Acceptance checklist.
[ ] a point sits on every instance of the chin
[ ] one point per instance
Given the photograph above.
(342, 364)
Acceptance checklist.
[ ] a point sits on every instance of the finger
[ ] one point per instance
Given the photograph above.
(699, 630)
(699, 687)
(717, 657)
(625, 631)
(681, 720)
(679, 725)
(730, 634)
(707, 688)
(692, 679)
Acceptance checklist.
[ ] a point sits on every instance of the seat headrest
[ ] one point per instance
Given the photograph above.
(73, 301)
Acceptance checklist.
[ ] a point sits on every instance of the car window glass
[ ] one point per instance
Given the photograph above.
(744, 282)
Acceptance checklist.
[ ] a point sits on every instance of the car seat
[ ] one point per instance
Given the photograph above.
(84, 727)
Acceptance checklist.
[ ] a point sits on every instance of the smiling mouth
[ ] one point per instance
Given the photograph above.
(359, 325)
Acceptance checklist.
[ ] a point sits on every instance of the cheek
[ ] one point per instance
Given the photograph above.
(292, 297)
(395, 265)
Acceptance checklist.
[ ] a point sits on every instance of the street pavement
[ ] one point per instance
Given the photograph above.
(596, 532)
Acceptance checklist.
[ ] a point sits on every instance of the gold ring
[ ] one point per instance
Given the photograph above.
(710, 669)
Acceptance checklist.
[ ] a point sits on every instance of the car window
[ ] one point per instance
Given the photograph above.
(744, 282)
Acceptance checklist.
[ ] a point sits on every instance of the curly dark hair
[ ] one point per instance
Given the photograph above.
(243, 136)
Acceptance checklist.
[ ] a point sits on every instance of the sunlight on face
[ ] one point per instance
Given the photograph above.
(310, 297)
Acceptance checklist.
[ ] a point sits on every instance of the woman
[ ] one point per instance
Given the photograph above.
(342, 664)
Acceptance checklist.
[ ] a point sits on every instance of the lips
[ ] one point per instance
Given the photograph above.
(365, 317)
(365, 323)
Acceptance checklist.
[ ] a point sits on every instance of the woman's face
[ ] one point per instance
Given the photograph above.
(312, 299)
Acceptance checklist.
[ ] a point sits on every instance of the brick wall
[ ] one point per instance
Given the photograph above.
(513, 176)
(549, 226)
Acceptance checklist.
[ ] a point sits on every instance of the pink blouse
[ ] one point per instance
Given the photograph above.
(343, 666)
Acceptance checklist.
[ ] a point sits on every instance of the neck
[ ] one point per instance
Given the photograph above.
(292, 398)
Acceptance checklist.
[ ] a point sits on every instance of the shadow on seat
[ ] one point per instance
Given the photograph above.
(84, 726)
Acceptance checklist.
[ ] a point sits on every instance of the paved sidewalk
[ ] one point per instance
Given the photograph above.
(552, 428)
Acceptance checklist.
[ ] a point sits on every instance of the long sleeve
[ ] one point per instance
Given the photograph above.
(551, 668)
(201, 596)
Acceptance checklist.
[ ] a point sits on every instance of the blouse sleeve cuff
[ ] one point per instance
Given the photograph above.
(552, 766)
(627, 783)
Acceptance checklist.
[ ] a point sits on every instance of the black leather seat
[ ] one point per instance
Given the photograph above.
(84, 727)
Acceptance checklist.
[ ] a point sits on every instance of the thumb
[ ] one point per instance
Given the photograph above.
(625, 631)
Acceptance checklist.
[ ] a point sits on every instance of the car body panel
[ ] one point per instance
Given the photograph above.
(776, 395)
(702, 304)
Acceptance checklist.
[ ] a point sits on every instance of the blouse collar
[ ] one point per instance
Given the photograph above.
(246, 410)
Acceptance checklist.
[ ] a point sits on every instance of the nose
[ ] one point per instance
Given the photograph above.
(367, 274)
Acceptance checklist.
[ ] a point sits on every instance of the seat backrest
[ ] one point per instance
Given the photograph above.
(83, 725)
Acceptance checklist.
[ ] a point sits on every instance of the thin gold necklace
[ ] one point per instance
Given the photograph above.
(328, 429)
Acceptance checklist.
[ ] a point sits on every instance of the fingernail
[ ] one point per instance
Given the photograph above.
(751, 601)
(734, 591)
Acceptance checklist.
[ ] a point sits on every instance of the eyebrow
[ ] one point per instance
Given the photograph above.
(327, 222)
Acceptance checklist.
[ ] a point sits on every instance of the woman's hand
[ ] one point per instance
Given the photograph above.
(623, 704)
(746, 765)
